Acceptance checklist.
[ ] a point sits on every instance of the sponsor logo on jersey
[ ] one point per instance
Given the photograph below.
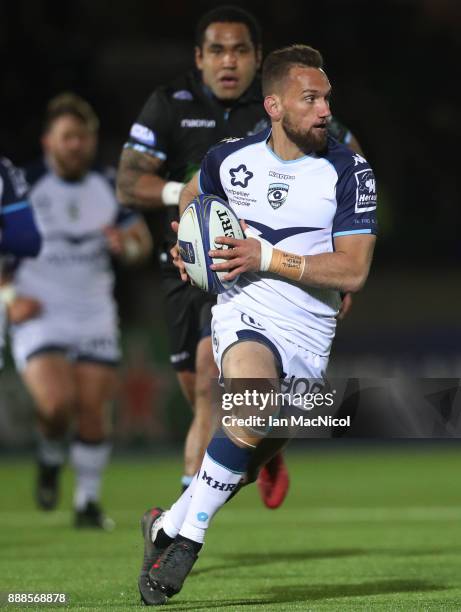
(230, 139)
(198, 123)
(215, 341)
(240, 176)
(277, 193)
(247, 320)
(366, 191)
(183, 94)
(143, 134)
(282, 177)
(177, 357)
(358, 159)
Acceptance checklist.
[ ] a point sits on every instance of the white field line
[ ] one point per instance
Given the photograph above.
(255, 516)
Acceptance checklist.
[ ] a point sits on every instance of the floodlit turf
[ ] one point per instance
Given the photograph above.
(360, 530)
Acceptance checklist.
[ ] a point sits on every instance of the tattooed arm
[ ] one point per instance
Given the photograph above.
(138, 182)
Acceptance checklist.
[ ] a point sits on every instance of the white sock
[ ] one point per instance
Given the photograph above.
(88, 461)
(50, 451)
(186, 480)
(174, 517)
(214, 485)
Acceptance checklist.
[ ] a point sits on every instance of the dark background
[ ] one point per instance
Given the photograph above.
(394, 66)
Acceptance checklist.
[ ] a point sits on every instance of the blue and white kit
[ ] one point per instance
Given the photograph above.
(72, 278)
(18, 233)
(299, 206)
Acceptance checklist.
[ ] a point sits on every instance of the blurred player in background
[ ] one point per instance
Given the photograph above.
(326, 222)
(19, 236)
(68, 354)
(220, 98)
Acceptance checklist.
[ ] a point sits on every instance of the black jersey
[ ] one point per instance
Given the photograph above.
(182, 120)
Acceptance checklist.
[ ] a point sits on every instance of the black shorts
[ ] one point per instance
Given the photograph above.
(188, 315)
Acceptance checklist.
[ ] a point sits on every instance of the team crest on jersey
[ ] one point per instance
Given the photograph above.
(183, 94)
(73, 210)
(277, 193)
(366, 191)
(240, 176)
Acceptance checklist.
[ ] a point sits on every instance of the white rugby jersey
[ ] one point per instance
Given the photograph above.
(298, 206)
(74, 264)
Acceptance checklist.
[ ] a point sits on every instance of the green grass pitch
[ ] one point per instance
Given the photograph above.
(360, 530)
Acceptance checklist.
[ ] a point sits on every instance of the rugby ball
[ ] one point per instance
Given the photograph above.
(204, 219)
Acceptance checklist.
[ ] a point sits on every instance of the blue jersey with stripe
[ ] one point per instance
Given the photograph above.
(18, 232)
(299, 206)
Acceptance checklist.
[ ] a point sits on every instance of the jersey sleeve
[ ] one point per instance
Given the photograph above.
(151, 132)
(339, 131)
(13, 184)
(209, 179)
(19, 235)
(18, 231)
(126, 217)
(356, 200)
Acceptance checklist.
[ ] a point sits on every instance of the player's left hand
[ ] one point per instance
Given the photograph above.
(345, 307)
(23, 308)
(114, 238)
(241, 256)
(176, 256)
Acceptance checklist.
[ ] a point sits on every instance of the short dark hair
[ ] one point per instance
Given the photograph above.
(70, 104)
(228, 14)
(278, 63)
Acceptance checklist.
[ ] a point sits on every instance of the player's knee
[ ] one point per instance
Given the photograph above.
(56, 417)
(206, 373)
(92, 422)
(203, 386)
(186, 381)
(57, 407)
(92, 431)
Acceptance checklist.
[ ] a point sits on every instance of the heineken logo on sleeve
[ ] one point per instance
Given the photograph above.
(366, 191)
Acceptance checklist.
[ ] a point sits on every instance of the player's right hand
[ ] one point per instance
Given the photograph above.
(22, 309)
(176, 256)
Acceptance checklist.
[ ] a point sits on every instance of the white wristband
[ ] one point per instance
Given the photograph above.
(171, 192)
(7, 294)
(131, 249)
(266, 249)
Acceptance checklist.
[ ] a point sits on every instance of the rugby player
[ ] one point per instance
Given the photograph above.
(19, 236)
(305, 245)
(67, 354)
(220, 98)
